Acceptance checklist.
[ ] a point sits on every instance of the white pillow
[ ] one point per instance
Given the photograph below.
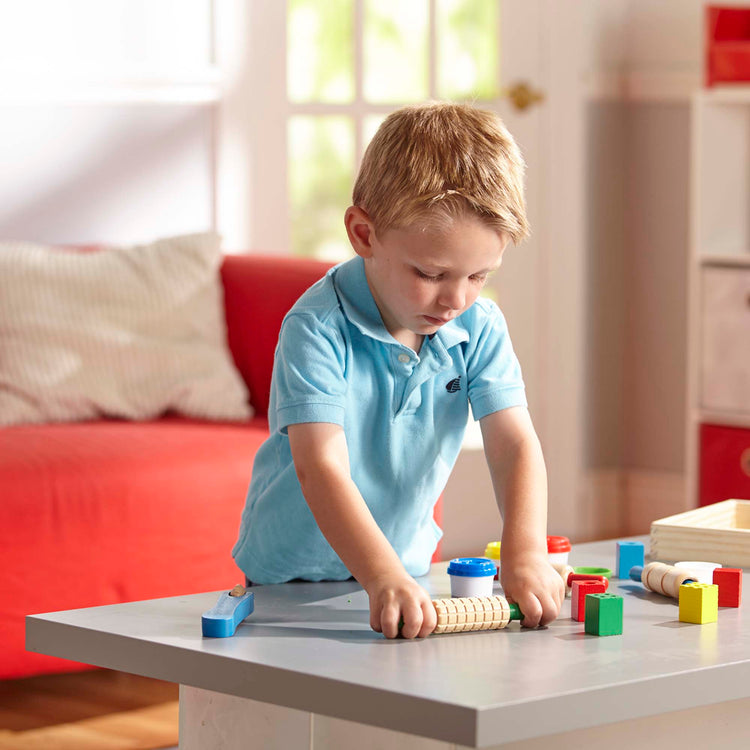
(126, 332)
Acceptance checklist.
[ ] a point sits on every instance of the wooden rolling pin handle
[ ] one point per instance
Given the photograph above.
(565, 571)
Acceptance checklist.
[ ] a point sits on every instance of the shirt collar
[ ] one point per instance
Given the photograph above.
(353, 291)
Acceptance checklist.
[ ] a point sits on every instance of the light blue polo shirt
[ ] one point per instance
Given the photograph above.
(403, 414)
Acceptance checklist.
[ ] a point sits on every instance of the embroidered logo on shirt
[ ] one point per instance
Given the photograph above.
(454, 385)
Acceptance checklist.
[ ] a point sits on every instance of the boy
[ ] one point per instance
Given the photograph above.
(374, 371)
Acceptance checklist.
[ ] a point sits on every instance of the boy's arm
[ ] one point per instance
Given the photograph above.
(519, 477)
(321, 460)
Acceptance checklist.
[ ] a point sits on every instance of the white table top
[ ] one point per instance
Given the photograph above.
(309, 646)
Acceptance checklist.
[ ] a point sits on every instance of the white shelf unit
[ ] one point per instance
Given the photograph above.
(718, 382)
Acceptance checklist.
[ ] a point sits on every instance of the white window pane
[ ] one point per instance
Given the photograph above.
(395, 50)
(321, 177)
(320, 51)
(370, 125)
(468, 49)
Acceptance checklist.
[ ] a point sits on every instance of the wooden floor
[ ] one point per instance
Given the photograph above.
(94, 710)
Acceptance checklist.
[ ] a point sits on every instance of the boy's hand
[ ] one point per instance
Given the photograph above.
(533, 584)
(397, 598)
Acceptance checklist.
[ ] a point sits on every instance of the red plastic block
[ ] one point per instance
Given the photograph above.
(587, 577)
(727, 37)
(579, 589)
(729, 581)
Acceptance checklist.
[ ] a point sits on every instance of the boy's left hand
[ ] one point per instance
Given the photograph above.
(533, 584)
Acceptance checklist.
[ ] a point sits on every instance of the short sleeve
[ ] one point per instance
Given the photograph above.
(494, 373)
(309, 382)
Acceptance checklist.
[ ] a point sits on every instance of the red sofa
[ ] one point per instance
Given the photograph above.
(101, 512)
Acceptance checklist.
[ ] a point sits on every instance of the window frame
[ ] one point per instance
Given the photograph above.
(252, 51)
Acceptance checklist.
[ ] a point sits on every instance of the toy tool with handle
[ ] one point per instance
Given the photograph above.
(231, 609)
(461, 614)
(662, 578)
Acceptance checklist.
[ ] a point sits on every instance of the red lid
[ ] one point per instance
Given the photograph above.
(558, 544)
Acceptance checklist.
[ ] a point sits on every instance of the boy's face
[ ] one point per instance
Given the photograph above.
(421, 279)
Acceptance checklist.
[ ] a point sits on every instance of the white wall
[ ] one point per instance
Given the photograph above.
(104, 173)
(102, 138)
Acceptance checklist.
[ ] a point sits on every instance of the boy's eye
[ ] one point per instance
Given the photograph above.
(477, 278)
(426, 276)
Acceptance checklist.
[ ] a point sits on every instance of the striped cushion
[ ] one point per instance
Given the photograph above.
(129, 332)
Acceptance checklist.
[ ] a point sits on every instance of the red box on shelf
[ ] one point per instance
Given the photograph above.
(727, 44)
(724, 463)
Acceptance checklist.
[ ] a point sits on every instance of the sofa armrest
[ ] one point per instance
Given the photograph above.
(258, 291)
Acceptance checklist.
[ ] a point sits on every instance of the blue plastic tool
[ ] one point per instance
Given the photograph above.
(231, 609)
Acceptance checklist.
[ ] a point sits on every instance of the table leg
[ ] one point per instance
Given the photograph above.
(209, 719)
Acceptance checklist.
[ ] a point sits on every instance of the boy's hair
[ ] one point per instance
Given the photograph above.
(434, 162)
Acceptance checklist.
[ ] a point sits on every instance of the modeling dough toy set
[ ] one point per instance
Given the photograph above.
(700, 587)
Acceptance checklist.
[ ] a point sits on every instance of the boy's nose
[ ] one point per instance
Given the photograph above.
(453, 296)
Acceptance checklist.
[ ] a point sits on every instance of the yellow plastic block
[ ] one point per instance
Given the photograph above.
(699, 603)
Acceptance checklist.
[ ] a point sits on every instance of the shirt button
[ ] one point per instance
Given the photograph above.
(404, 358)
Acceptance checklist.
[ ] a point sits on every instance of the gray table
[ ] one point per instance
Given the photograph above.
(308, 651)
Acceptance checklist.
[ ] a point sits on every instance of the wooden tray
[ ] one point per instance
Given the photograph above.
(717, 533)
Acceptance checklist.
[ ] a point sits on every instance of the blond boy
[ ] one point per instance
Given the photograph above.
(375, 370)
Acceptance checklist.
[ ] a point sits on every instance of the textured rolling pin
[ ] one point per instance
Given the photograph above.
(466, 613)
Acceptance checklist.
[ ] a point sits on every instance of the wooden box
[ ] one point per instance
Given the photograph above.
(717, 533)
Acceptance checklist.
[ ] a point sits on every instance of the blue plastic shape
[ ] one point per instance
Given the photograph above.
(629, 554)
(229, 612)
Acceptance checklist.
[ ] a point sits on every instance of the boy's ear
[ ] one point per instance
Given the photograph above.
(360, 230)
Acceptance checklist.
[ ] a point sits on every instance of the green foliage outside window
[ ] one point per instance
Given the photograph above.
(320, 51)
(395, 51)
(321, 176)
(468, 52)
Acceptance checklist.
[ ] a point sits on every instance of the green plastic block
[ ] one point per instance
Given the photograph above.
(603, 614)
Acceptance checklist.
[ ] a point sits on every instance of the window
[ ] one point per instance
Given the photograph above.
(351, 62)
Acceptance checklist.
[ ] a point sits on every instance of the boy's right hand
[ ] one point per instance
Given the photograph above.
(400, 598)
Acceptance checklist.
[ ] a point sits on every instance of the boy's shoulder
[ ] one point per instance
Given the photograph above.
(480, 325)
(483, 312)
(485, 307)
(319, 302)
